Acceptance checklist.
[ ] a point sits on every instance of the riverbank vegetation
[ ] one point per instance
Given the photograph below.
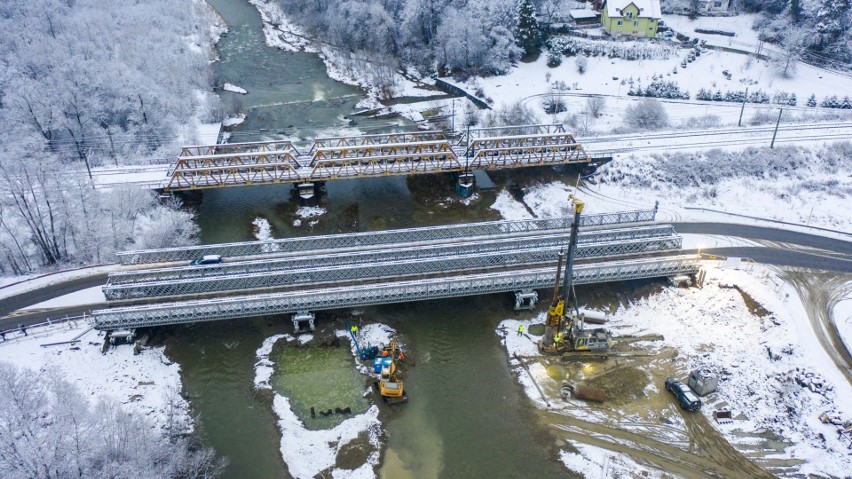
(49, 429)
(85, 84)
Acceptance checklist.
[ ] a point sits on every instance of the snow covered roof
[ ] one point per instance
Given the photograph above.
(647, 8)
(583, 13)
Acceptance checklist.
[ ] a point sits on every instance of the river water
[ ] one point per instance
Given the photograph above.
(467, 417)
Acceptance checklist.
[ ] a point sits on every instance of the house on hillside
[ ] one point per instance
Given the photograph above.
(636, 18)
(710, 7)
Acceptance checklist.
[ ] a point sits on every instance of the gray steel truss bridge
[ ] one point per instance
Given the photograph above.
(298, 275)
(366, 156)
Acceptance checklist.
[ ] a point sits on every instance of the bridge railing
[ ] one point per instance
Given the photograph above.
(456, 248)
(388, 269)
(382, 293)
(389, 237)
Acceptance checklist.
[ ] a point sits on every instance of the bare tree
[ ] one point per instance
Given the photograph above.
(595, 105)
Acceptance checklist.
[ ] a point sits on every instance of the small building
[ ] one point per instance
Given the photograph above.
(636, 18)
(585, 17)
(710, 7)
(703, 382)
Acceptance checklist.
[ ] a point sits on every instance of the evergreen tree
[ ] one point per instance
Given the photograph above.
(792, 100)
(812, 101)
(528, 33)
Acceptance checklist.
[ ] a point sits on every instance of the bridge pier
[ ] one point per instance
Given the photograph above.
(303, 316)
(307, 191)
(525, 300)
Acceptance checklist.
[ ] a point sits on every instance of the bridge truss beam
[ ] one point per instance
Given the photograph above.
(314, 259)
(383, 293)
(335, 274)
(388, 237)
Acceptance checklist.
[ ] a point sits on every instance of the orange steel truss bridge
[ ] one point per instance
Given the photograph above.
(392, 154)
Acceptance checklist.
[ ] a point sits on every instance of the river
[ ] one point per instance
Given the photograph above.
(467, 417)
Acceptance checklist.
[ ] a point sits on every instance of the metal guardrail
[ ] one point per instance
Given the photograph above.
(408, 252)
(389, 237)
(383, 293)
(336, 274)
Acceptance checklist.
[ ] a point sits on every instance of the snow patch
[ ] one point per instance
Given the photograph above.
(509, 208)
(234, 120)
(234, 88)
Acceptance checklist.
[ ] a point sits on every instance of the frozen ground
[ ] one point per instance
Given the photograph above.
(147, 384)
(774, 374)
(308, 453)
(637, 182)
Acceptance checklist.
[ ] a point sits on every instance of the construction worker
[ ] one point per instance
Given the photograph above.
(3, 335)
(520, 330)
(354, 329)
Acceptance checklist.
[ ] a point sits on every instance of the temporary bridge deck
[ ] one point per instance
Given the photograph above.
(382, 293)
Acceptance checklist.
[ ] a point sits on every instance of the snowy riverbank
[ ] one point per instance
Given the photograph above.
(774, 374)
(146, 385)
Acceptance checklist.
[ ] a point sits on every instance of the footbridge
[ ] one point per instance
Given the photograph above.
(298, 275)
(366, 156)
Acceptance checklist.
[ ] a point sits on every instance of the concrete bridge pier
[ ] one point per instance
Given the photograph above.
(525, 300)
(302, 317)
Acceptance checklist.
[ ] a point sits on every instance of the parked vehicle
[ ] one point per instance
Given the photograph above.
(206, 259)
(687, 399)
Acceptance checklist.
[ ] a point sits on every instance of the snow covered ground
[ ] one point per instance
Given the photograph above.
(842, 314)
(774, 374)
(814, 193)
(147, 384)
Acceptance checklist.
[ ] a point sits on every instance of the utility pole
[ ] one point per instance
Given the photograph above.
(772, 145)
(453, 122)
(745, 98)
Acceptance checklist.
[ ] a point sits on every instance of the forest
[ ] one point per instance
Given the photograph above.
(85, 83)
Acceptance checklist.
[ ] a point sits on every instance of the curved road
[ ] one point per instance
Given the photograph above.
(767, 255)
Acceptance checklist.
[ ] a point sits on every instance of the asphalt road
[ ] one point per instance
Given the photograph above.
(11, 318)
(769, 234)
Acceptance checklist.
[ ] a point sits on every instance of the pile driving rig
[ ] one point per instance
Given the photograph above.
(564, 332)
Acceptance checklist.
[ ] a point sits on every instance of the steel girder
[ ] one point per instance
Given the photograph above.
(383, 293)
(312, 259)
(389, 237)
(330, 273)
(249, 147)
(388, 165)
(380, 139)
(232, 169)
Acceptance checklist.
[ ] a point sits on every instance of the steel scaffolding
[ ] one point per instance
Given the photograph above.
(389, 237)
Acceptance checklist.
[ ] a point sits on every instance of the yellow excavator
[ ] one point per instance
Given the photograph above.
(564, 333)
(389, 385)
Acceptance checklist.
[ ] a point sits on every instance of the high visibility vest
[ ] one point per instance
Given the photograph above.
(521, 328)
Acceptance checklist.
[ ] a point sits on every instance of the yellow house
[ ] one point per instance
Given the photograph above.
(637, 18)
